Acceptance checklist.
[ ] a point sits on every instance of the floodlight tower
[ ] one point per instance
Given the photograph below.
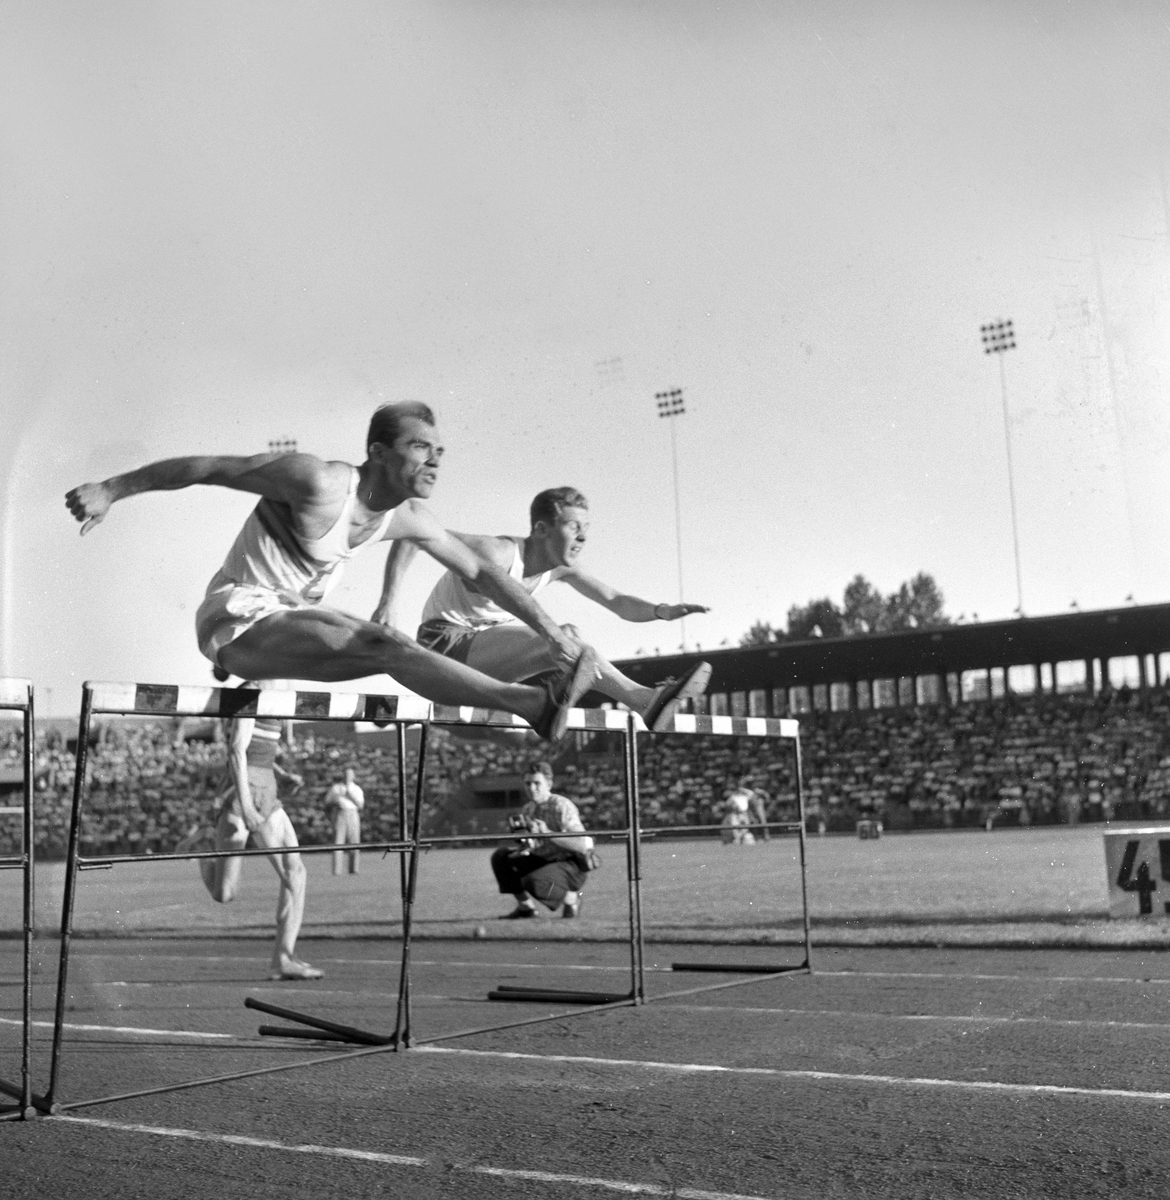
(998, 338)
(670, 405)
(282, 446)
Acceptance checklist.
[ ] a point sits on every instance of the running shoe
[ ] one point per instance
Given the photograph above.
(660, 711)
(563, 694)
(296, 969)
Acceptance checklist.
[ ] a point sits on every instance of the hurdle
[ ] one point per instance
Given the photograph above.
(581, 720)
(16, 695)
(171, 700)
(631, 726)
(787, 729)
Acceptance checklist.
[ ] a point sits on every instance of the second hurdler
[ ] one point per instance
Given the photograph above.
(463, 623)
(262, 617)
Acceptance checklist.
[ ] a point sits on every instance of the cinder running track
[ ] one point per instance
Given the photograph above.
(886, 1074)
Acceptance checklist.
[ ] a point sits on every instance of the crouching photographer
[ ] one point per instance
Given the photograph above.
(550, 864)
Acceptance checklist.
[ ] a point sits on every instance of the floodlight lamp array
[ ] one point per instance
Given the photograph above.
(670, 404)
(998, 337)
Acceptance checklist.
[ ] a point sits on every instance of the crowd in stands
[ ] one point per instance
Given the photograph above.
(1036, 759)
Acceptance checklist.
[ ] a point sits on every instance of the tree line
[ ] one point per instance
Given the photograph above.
(916, 604)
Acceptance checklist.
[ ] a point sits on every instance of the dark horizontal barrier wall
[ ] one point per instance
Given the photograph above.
(1108, 633)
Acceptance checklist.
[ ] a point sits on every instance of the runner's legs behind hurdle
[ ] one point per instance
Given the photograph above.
(221, 877)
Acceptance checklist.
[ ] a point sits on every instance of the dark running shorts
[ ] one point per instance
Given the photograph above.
(451, 641)
(263, 786)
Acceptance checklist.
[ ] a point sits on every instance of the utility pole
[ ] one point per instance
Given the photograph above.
(998, 338)
(670, 405)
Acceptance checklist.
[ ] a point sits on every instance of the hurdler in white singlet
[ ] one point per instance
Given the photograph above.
(271, 568)
(456, 601)
(269, 553)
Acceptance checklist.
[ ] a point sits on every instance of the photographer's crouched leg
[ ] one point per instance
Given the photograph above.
(532, 877)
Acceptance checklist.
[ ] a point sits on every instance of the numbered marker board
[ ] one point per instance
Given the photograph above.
(1137, 870)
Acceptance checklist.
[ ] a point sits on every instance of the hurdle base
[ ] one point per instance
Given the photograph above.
(557, 995)
(739, 968)
(39, 1103)
(313, 1035)
(339, 1033)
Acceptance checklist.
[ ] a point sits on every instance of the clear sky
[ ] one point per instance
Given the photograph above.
(226, 223)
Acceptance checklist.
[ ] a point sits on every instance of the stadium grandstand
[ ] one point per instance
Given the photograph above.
(1052, 720)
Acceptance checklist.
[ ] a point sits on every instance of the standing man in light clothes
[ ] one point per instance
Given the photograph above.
(347, 801)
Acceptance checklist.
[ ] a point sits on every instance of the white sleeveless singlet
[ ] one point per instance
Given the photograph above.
(455, 601)
(269, 553)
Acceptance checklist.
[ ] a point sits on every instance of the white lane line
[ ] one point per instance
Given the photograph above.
(1128, 980)
(549, 967)
(231, 1139)
(76, 1028)
(613, 1185)
(979, 1085)
(876, 1016)
(963, 1019)
(395, 962)
(626, 1187)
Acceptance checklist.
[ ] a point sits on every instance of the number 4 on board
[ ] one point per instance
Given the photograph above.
(1142, 883)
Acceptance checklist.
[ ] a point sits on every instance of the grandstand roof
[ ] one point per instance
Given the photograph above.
(1106, 633)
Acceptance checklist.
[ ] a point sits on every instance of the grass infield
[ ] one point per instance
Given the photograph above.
(1025, 887)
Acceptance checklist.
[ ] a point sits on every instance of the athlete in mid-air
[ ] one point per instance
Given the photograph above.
(262, 617)
(463, 623)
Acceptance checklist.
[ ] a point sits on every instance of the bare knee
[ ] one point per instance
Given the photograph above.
(292, 873)
(380, 641)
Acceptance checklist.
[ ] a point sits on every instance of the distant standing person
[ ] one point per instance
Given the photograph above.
(347, 801)
(736, 823)
(253, 809)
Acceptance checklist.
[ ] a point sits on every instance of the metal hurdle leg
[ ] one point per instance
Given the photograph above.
(70, 892)
(401, 745)
(320, 1029)
(402, 1027)
(17, 694)
(634, 823)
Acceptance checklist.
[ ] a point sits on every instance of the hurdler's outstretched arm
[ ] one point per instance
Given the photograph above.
(402, 554)
(629, 608)
(300, 479)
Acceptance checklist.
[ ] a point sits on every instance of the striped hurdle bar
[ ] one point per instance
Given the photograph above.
(16, 695)
(181, 700)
